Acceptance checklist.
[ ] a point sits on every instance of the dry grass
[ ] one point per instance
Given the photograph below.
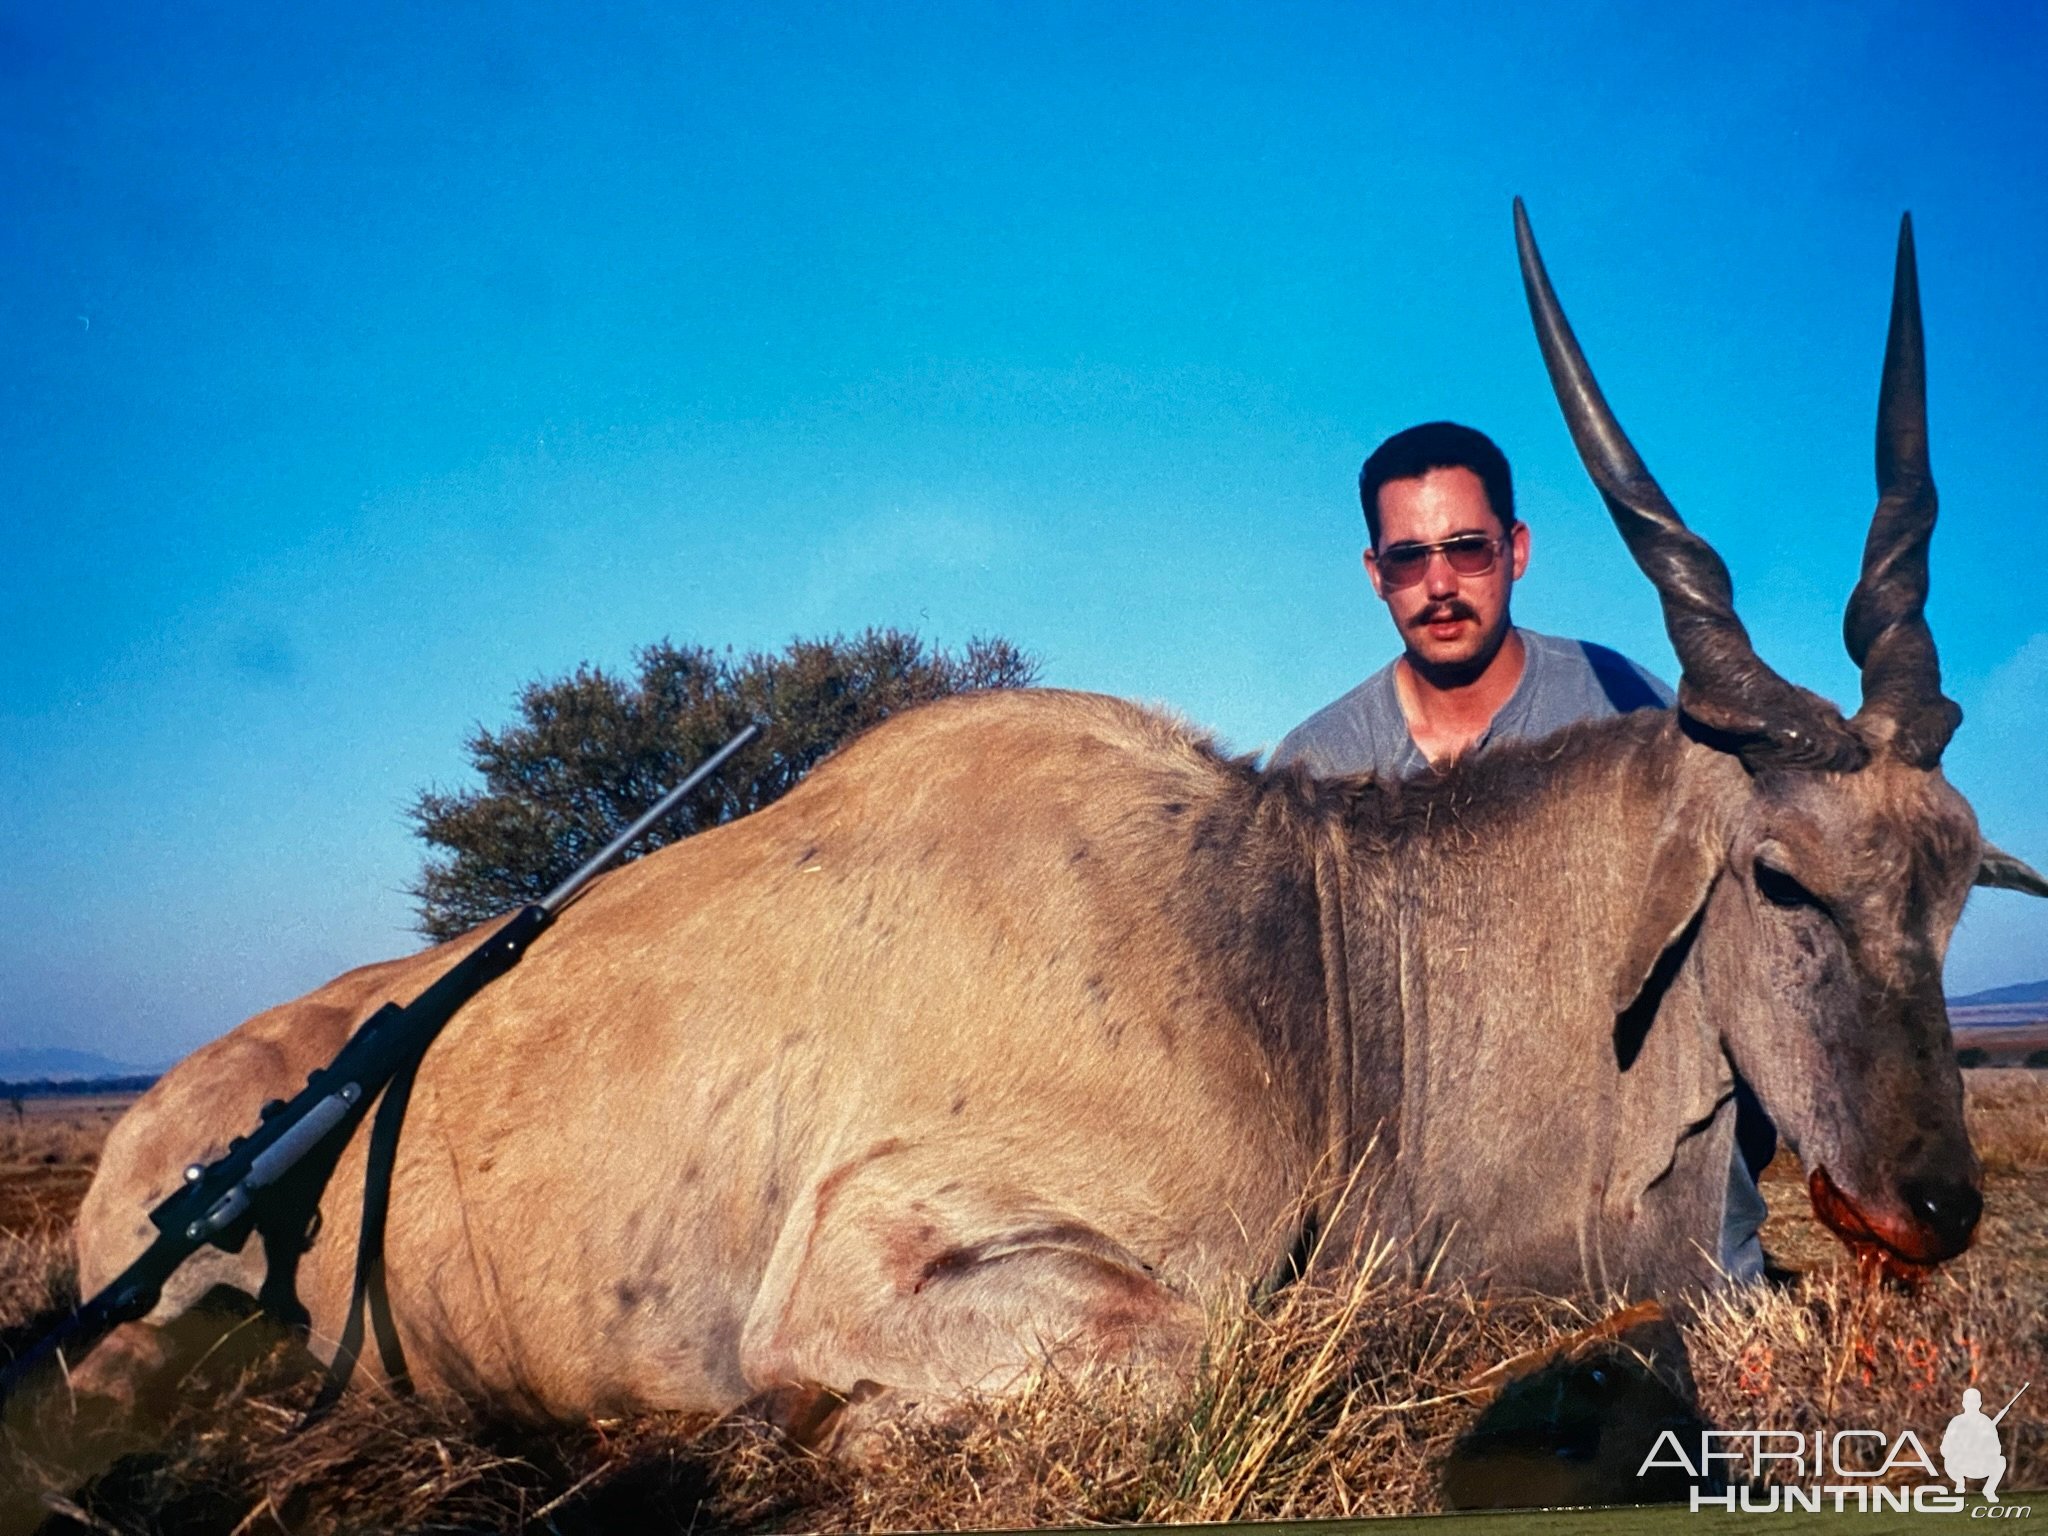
(50, 1132)
(1832, 1354)
(38, 1277)
(2008, 1113)
(48, 1149)
(1328, 1402)
(1332, 1402)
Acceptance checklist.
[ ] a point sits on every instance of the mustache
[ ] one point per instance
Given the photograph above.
(1438, 613)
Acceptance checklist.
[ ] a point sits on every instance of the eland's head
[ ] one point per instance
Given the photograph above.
(1815, 865)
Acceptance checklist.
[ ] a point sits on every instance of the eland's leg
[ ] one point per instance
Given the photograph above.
(912, 1301)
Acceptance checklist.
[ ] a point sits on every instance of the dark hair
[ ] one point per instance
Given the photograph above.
(1414, 453)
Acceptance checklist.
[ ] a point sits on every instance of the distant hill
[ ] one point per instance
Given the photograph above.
(2002, 1027)
(2021, 992)
(61, 1065)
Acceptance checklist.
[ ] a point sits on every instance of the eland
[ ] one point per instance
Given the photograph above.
(1030, 1027)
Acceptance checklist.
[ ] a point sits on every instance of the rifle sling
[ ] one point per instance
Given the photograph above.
(370, 1293)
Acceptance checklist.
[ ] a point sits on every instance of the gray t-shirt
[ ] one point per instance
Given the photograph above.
(1563, 682)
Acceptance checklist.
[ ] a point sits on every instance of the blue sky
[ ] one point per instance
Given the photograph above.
(361, 364)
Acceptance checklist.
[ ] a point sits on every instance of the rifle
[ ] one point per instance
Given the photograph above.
(222, 1202)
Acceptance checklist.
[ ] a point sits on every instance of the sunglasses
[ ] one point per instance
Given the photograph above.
(1469, 554)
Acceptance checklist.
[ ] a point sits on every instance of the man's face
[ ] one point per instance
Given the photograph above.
(1447, 621)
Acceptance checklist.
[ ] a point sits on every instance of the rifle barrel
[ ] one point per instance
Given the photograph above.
(560, 896)
(2015, 1398)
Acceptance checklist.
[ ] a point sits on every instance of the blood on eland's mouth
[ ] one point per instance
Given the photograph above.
(1885, 1248)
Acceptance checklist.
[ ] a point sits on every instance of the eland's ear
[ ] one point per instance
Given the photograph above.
(1998, 868)
(1673, 1073)
(1682, 871)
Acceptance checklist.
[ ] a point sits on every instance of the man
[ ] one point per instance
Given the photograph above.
(1444, 552)
(1969, 1446)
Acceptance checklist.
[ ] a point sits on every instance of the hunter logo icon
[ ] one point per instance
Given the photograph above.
(1969, 1446)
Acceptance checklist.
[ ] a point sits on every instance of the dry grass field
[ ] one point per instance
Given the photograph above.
(1322, 1403)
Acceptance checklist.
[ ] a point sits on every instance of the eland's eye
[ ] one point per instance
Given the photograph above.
(1781, 890)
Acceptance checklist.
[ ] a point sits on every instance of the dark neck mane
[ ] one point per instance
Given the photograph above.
(1455, 857)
